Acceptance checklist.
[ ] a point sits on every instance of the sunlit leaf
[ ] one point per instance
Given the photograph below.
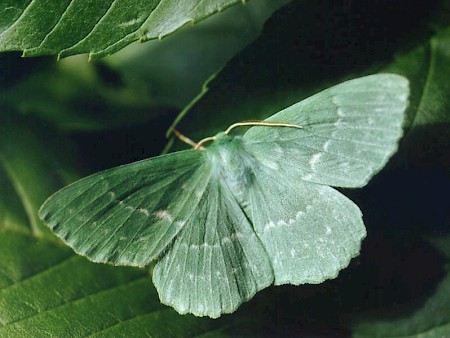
(99, 27)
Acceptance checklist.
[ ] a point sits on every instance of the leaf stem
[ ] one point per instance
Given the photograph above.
(188, 107)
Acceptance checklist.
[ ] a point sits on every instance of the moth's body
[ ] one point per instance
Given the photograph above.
(228, 220)
(232, 163)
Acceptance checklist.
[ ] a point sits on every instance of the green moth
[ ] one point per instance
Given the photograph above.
(230, 218)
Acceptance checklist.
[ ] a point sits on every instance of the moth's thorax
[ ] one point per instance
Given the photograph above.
(232, 162)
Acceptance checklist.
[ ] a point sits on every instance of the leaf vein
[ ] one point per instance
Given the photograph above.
(120, 322)
(58, 265)
(56, 24)
(19, 18)
(105, 14)
(119, 227)
(76, 300)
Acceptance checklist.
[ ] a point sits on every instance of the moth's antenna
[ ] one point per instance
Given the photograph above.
(206, 139)
(261, 123)
(199, 145)
(185, 139)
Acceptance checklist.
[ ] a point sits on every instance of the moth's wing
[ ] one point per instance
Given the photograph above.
(309, 231)
(349, 131)
(129, 214)
(216, 262)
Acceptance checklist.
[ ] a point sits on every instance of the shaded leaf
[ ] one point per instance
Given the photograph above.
(74, 95)
(96, 27)
(428, 117)
(430, 319)
(428, 68)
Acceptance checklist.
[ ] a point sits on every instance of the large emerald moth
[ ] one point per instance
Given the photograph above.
(242, 212)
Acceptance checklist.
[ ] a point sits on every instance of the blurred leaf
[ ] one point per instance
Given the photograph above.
(29, 173)
(174, 69)
(99, 27)
(431, 319)
(14, 69)
(74, 95)
(12, 212)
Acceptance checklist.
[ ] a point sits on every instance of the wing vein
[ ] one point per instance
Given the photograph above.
(119, 227)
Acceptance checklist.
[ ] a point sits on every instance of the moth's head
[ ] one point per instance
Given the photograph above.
(222, 137)
(223, 142)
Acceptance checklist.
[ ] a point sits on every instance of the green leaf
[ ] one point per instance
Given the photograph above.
(47, 291)
(96, 27)
(429, 320)
(247, 211)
